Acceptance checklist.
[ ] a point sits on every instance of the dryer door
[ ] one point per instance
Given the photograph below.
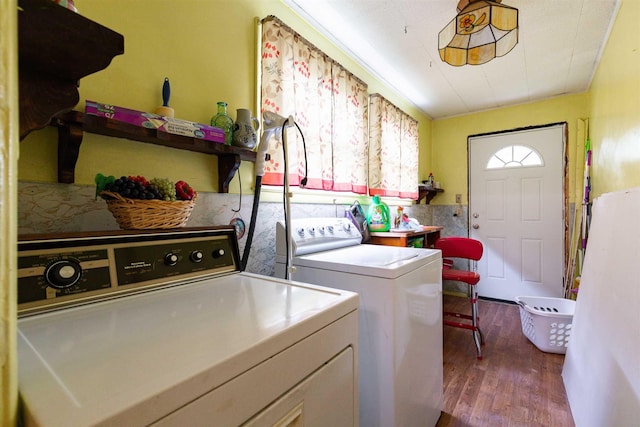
(325, 398)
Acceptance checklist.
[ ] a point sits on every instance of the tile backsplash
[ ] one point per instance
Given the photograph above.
(55, 208)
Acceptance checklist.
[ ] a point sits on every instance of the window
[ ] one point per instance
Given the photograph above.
(354, 142)
(514, 156)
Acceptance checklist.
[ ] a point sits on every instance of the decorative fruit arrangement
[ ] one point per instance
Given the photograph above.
(138, 187)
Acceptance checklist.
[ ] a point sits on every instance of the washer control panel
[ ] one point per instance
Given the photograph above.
(310, 235)
(63, 269)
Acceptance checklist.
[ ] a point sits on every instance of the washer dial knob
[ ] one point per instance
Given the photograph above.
(63, 273)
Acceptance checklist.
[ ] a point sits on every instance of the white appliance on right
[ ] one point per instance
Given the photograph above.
(400, 314)
(601, 372)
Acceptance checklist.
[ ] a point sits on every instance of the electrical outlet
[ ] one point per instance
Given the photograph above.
(458, 198)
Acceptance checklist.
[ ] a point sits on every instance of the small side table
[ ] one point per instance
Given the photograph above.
(398, 237)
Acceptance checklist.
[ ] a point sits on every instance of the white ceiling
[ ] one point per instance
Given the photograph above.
(560, 43)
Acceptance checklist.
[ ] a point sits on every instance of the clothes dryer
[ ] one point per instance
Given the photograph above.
(140, 328)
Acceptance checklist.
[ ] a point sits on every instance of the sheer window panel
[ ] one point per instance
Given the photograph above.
(328, 103)
(393, 150)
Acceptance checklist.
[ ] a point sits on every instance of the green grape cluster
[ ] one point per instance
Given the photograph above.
(166, 189)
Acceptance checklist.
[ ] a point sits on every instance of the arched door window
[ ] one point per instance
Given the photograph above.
(514, 156)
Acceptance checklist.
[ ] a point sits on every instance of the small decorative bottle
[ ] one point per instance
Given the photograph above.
(223, 121)
(430, 180)
(397, 221)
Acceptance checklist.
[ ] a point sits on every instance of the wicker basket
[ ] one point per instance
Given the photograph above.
(135, 214)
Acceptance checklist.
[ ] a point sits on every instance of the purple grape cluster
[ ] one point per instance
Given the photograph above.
(133, 188)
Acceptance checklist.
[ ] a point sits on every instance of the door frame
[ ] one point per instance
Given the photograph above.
(565, 181)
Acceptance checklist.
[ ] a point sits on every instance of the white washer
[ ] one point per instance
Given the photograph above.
(131, 342)
(400, 329)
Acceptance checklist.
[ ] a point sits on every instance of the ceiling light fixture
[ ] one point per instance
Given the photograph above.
(482, 30)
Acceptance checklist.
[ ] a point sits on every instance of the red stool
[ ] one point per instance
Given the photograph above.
(471, 250)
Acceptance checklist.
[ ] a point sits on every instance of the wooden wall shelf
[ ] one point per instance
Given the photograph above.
(72, 126)
(427, 194)
(56, 48)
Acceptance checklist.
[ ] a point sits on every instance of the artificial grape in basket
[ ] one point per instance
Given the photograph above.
(138, 187)
(165, 188)
(131, 187)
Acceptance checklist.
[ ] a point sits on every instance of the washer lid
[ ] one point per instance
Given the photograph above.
(131, 360)
(371, 260)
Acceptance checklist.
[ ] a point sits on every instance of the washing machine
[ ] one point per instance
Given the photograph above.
(400, 315)
(140, 328)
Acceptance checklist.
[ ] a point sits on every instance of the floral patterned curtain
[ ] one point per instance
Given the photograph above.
(326, 101)
(393, 150)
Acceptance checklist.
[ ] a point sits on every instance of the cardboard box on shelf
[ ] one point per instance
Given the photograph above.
(154, 121)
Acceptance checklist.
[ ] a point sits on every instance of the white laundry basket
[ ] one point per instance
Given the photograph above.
(547, 322)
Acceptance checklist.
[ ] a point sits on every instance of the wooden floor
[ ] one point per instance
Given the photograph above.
(514, 385)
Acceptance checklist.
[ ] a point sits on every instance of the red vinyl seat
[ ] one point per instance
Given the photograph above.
(470, 277)
(463, 248)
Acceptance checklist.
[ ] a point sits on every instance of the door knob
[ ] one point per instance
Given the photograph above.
(476, 226)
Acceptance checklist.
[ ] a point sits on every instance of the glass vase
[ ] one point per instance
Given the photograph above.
(223, 121)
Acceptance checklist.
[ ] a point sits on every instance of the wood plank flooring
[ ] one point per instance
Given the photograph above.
(514, 385)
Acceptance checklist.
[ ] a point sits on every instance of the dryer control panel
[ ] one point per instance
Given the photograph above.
(63, 269)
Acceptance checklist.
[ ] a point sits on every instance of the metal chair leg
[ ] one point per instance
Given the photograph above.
(478, 337)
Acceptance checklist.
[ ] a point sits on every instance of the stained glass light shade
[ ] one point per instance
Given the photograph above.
(481, 31)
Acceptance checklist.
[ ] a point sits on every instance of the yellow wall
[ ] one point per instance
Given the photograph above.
(208, 51)
(450, 137)
(615, 107)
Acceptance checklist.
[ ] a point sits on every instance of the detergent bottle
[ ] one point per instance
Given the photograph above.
(378, 215)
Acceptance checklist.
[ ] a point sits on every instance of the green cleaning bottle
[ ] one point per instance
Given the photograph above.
(378, 215)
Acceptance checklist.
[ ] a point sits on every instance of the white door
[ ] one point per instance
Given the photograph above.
(516, 211)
